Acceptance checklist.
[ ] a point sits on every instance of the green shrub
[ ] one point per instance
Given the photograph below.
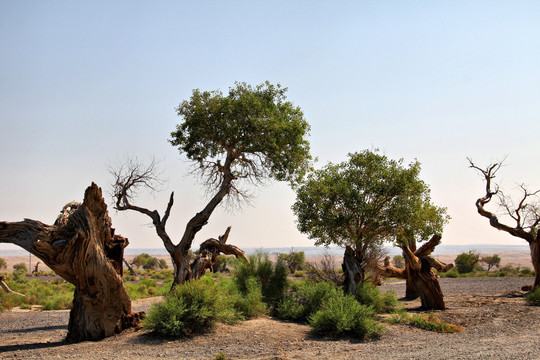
(305, 299)
(533, 298)
(191, 308)
(3, 264)
(271, 277)
(20, 267)
(344, 315)
(248, 304)
(299, 273)
(467, 262)
(369, 294)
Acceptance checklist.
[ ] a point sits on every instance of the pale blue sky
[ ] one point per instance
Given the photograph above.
(83, 84)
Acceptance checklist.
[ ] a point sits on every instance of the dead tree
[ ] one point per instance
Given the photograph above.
(82, 248)
(526, 214)
(419, 274)
(130, 177)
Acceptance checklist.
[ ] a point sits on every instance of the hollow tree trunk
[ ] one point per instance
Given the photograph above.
(354, 272)
(418, 272)
(82, 248)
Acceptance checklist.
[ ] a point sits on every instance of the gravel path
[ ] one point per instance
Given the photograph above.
(499, 325)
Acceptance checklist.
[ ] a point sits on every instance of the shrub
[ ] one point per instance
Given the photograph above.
(369, 294)
(20, 267)
(467, 262)
(533, 298)
(450, 274)
(398, 261)
(191, 308)
(3, 264)
(248, 304)
(271, 277)
(305, 300)
(429, 322)
(299, 273)
(293, 261)
(343, 315)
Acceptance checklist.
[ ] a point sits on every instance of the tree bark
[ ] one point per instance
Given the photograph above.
(418, 272)
(353, 271)
(82, 248)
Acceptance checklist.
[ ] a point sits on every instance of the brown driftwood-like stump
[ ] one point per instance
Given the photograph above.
(419, 274)
(209, 253)
(82, 248)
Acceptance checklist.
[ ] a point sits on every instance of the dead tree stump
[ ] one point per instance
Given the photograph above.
(82, 248)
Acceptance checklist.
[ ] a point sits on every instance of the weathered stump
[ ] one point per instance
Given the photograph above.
(82, 248)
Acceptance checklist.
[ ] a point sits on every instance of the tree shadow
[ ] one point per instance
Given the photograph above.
(34, 346)
(34, 329)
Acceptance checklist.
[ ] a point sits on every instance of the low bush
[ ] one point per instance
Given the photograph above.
(369, 294)
(272, 277)
(305, 299)
(430, 322)
(533, 298)
(53, 295)
(344, 315)
(191, 308)
(248, 304)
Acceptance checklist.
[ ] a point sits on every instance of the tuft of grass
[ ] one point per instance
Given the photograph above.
(533, 298)
(430, 322)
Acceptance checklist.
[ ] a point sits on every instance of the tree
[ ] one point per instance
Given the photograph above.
(398, 261)
(361, 203)
(82, 248)
(3, 264)
(467, 262)
(525, 214)
(491, 261)
(294, 260)
(249, 136)
(418, 271)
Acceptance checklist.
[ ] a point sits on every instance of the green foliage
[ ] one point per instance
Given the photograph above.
(430, 322)
(533, 298)
(53, 295)
(247, 304)
(271, 277)
(305, 299)
(467, 262)
(221, 356)
(491, 261)
(294, 260)
(343, 315)
(398, 261)
(369, 294)
(3, 264)
(254, 131)
(162, 264)
(191, 308)
(20, 267)
(145, 261)
(365, 201)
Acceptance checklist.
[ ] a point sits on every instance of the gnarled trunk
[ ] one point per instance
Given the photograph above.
(535, 257)
(353, 270)
(419, 274)
(82, 248)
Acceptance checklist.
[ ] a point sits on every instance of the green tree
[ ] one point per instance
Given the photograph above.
(3, 264)
(363, 202)
(491, 261)
(467, 262)
(20, 267)
(248, 136)
(294, 260)
(398, 261)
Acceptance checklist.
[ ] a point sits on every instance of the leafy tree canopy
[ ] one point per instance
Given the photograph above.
(254, 131)
(366, 201)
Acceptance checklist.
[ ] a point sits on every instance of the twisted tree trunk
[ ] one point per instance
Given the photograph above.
(82, 248)
(419, 274)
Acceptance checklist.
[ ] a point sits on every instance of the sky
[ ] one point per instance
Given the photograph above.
(85, 84)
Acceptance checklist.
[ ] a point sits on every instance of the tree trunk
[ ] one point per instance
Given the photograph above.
(353, 270)
(535, 257)
(411, 292)
(419, 274)
(82, 248)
